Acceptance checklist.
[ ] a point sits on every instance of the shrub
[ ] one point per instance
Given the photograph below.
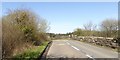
(20, 29)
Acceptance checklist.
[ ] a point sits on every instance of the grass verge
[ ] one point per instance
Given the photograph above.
(31, 54)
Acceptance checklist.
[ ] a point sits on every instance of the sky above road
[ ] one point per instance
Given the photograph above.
(66, 16)
(60, 0)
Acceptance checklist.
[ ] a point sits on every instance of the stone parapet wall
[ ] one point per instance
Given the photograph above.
(108, 42)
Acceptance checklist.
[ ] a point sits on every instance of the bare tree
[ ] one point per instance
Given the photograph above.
(110, 27)
(43, 26)
(89, 27)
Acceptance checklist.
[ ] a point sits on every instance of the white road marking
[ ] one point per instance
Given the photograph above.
(68, 43)
(75, 47)
(89, 56)
(79, 50)
(72, 46)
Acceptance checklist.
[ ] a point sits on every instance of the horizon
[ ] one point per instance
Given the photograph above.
(64, 17)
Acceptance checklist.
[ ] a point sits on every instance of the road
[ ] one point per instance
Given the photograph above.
(77, 49)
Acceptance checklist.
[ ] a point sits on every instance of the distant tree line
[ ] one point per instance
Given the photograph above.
(107, 28)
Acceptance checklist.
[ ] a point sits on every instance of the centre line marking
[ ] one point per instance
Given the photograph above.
(75, 47)
(68, 43)
(89, 56)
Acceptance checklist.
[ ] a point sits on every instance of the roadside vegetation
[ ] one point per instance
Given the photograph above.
(31, 54)
(23, 32)
(107, 28)
(106, 34)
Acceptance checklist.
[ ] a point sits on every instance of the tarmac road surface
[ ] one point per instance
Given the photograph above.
(77, 49)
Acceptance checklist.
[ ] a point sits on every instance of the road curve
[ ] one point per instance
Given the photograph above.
(77, 49)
